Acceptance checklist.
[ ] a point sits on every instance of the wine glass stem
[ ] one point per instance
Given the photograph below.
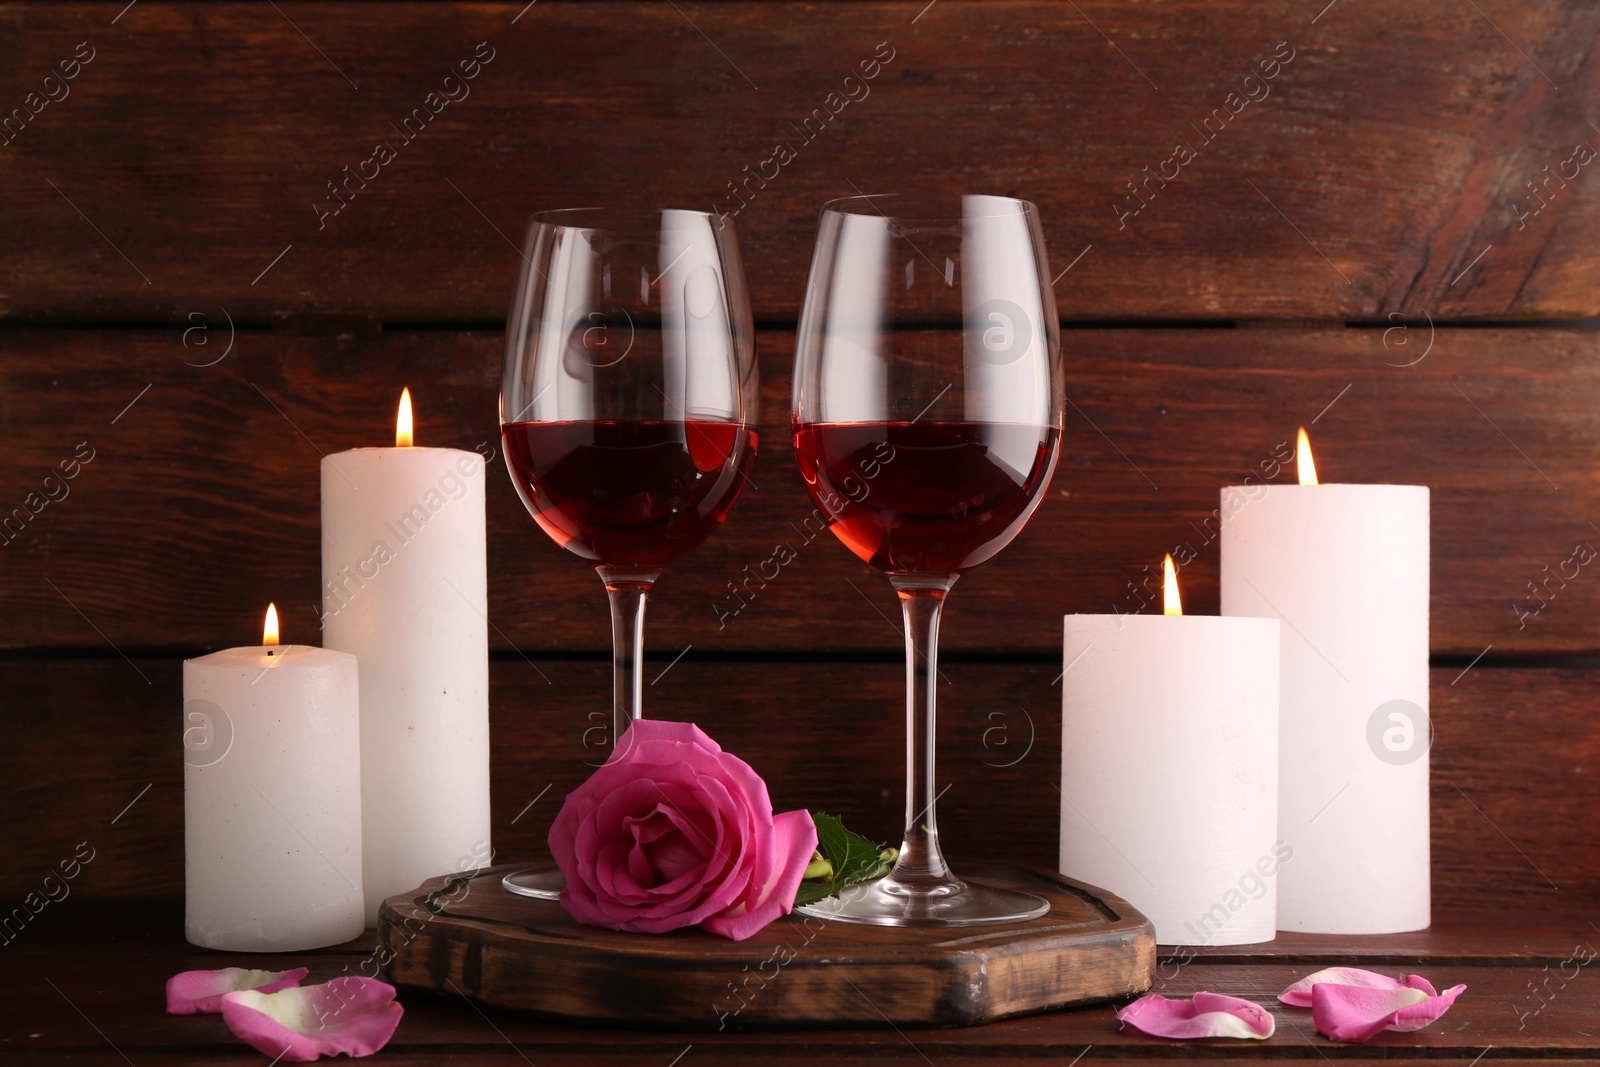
(921, 602)
(627, 593)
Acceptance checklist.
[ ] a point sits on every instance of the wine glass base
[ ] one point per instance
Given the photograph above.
(890, 902)
(540, 883)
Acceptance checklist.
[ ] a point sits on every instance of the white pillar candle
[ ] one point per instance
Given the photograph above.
(271, 799)
(404, 589)
(1346, 568)
(1169, 770)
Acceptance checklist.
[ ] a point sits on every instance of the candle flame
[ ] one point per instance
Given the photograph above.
(402, 422)
(269, 629)
(1303, 461)
(1170, 602)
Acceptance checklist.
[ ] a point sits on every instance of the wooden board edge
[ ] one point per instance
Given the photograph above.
(1118, 959)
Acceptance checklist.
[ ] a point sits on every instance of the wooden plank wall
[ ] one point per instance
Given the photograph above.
(1391, 238)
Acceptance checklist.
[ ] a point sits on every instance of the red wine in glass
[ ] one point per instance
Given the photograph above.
(629, 493)
(926, 497)
(628, 402)
(926, 418)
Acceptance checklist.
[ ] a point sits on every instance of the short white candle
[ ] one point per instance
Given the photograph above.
(1346, 568)
(271, 798)
(404, 589)
(1169, 769)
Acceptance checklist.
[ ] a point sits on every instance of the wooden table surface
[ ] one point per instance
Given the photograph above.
(1382, 249)
(84, 983)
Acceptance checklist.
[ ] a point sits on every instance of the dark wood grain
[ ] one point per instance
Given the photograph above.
(467, 934)
(1387, 179)
(126, 1013)
(602, 1051)
(201, 501)
(1394, 147)
(1514, 783)
(96, 926)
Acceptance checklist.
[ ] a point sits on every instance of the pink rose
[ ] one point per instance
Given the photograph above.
(672, 831)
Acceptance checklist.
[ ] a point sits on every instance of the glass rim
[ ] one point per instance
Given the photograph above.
(618, 219)
(866, 204)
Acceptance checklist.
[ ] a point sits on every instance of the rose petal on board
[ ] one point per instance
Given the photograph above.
(1206, 1015)
(1299, 994)
(200, 992)
(352, 1015)
(1356, 1013)
(795, 837)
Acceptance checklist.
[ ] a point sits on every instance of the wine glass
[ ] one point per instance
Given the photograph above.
(628, 406)
(927, 422)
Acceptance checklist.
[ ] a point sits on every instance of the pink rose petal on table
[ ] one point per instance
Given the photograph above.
(352, 1015)
(1353, 1013)
(1299, 994)
(1351, 1004)
(200, 992)
(1206, 1015)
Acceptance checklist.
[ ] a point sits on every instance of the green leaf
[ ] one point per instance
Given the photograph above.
(811, 892)
(854, 858)
(850, 860)
(833, 840)
(878, 869)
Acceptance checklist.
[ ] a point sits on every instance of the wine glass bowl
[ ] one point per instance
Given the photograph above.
(629, 495)
(628, 400)
(963, 490)
(628, 404)
(927, 424)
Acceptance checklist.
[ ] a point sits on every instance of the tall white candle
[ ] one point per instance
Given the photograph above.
(404, 589)
(1169, 774)
(1346, 568)
(271, 798)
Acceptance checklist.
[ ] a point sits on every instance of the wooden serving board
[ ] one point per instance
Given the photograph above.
(468, 935)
